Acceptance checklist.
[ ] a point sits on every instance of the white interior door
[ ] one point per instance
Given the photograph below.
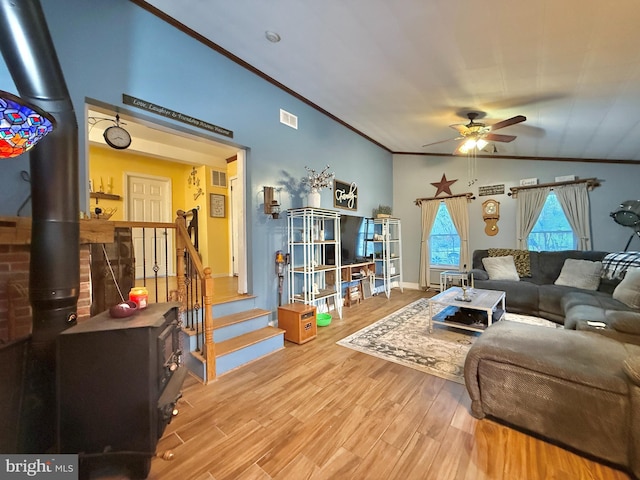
(238, 224)
(149, 200)
(233, 229)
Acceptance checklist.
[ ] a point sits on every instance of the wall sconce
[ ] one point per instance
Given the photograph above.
(195, 181)
(271, 204)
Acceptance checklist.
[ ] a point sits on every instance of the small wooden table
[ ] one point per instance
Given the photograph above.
(482, 300)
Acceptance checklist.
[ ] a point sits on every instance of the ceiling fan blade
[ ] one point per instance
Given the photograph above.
(508, 122)
(461, 128)
(441, 141)
(496, 137)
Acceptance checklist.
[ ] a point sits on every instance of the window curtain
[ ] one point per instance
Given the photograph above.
(530, 204)
(574, 200)
(459, 213)
(429, 209)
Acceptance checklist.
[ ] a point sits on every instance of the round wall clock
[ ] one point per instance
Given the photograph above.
(117, 137)
(491, 215)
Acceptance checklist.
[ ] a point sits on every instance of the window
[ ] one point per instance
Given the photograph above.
(444, 242)
(552, 231)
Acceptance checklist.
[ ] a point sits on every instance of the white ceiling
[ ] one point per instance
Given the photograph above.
(401, 72)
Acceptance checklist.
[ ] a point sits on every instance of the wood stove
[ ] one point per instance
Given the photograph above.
(118, 381)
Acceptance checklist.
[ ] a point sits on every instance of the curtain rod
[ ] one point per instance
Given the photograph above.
(469, 196)
(591, 184)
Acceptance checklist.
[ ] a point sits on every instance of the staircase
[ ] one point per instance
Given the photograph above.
(241, 334)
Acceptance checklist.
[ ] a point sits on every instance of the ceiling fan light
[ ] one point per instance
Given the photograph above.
(480, 144)
(468, 145)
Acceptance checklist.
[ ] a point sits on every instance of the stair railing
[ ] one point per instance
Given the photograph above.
(195, 294)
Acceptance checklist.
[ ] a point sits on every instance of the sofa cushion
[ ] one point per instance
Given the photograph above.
(520, 297)
(549, 264)
(584, 313)
(583, 274)
(632, 368)
(627, 322)
(550, 301)
(628, 291)
(521, 258)
(501, 268)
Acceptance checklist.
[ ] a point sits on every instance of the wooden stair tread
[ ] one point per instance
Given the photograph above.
(220, 300)
(245, 340)
(239, 317)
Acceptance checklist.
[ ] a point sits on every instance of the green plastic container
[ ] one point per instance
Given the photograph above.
(323, 319)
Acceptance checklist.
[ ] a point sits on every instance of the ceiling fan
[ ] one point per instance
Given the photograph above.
(477, 135)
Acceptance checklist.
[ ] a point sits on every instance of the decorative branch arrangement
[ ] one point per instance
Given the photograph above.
(319, 180)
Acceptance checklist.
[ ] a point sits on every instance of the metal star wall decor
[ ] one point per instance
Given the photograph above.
(443, 185)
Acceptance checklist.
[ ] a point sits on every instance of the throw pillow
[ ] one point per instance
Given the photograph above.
(628, 290)
(501, 268)
(583, 274)
(520, 257)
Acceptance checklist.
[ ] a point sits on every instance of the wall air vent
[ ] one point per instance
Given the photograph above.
(288, 119)
(218, 178)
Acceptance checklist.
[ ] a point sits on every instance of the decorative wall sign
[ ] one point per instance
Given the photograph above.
(528, 181)
(491, 190)
(216, 205)
(345, 195)
(443, 185)
(172, 114)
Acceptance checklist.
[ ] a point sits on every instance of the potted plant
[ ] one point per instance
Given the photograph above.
(382, 211)
(317, 181)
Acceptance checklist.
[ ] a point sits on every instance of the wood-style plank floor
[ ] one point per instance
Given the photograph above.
(322, 411)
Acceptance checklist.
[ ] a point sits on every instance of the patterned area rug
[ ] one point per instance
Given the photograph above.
(403, 337)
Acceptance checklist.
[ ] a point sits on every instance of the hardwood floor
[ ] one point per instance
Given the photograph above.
(322, 411)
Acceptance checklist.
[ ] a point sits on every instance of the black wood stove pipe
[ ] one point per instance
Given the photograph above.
(54, 277)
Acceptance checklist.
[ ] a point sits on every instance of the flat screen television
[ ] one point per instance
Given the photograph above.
(352, 240)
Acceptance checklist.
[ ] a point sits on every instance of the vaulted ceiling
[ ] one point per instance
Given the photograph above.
(401, 72)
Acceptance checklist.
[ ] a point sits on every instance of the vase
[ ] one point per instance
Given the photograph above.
(313, 199)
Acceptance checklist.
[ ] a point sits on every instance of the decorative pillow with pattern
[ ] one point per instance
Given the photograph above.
(520, 257)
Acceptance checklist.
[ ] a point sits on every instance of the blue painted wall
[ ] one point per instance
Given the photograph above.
(115, 47)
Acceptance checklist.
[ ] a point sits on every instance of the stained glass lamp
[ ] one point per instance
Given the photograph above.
(21, 125)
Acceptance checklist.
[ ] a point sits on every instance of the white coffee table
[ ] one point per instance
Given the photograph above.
(482, 300)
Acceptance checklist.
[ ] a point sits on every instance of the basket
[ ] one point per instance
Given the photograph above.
(323, 319)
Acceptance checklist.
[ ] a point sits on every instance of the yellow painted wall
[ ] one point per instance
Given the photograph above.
(108, 166)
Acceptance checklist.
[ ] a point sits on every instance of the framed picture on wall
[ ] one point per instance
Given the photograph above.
(216, 205)
(345, 195)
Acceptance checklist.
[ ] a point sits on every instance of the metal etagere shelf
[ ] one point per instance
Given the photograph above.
(313, 236)
(384, 244)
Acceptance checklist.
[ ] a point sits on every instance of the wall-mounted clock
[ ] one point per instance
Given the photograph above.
(491, 215)
(116, 136)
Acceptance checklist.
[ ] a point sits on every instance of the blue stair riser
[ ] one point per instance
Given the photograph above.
(195, 366)
(238, 358)
(225, 333)
(227, 308)
(236, 329)
(189, 342)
